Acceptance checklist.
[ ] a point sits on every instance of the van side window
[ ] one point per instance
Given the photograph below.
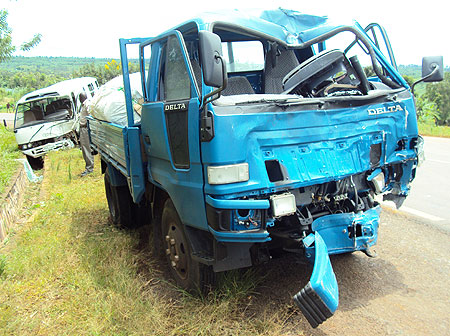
(177, 85)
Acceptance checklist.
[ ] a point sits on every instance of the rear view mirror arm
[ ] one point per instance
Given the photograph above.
(435, 70)
(219, 89)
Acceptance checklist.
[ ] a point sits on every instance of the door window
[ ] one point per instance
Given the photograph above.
(175, 91)
(177, 84)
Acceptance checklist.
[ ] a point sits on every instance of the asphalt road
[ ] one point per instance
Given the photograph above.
(430, 191)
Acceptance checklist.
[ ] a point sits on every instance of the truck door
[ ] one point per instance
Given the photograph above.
(170, 126)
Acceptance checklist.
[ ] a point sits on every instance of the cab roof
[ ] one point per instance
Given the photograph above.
(289, 26)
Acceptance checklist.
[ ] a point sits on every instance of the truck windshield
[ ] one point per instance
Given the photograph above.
(43, 110)
(342, 64)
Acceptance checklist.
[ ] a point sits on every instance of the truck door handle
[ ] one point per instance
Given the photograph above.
(147, 139)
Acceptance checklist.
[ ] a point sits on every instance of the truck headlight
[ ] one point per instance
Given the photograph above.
(228, 174)
(283, 205)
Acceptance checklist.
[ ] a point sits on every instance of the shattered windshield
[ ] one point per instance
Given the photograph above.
(43, 110)
(337, 66)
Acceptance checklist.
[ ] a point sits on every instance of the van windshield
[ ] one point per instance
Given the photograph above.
(43, 110)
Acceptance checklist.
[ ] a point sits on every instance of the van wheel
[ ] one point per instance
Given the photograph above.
(36, 163)
(120, 204)
(188, 273)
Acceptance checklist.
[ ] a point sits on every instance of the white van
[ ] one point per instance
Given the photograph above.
(47, 119)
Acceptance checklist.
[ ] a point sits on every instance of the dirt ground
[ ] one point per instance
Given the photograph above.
(403, 291)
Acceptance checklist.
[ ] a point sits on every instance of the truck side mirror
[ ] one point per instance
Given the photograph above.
(211, 58)
(433, 68)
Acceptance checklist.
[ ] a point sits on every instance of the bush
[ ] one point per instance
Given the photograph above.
(8, 153)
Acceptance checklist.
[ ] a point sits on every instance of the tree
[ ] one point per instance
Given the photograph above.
(409, 79)
(6, 46)
(426, 110)
(104, 73)
(368, 70)
(439, 94)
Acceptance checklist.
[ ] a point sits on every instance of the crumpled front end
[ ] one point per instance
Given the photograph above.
(38, 149)
(332, 234)
(305, 181)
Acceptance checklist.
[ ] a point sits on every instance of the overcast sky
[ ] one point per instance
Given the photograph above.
(91, 28)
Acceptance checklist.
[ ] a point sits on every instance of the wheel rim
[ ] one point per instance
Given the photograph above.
(176, 250)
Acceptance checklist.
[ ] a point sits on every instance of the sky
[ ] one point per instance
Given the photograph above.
(91, 28)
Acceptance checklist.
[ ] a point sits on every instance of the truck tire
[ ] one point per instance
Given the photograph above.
(120, 204)
(188, 273)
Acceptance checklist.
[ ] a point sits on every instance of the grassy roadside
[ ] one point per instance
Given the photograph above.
(8, 154)
(67, 271)
(432, 130)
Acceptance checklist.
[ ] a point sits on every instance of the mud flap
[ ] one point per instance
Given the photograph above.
(319, 299)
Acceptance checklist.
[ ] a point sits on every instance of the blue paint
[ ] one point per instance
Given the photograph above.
(237, 204)
(135, 166)
(314, 146)
(256, 236)
(323, 280)
(337, 230)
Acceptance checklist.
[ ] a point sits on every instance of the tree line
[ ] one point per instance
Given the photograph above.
(20, 75)
(37, 74)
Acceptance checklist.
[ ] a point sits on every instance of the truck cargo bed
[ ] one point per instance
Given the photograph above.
(107, 139)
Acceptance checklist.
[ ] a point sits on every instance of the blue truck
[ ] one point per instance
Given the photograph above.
(262, 135)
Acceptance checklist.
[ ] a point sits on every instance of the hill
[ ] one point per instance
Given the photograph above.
(412, 70)
(59, 66)
(65, 66)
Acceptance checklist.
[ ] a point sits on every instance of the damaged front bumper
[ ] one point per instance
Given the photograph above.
(319, 299)
(333, 234)
(48, 147)
(348, 232)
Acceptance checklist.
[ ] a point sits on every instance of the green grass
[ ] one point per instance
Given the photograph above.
(67, 271)
(8, 153)
(432, 130)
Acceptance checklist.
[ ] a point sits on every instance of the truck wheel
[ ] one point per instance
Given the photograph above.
(120, 204)
(188, 273)
(36, 163)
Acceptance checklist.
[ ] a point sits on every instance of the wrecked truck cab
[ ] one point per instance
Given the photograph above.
(316, 139)
(47, 119)
(260, 135)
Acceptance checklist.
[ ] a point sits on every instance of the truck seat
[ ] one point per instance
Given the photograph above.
(238, 85)
(278, 64)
